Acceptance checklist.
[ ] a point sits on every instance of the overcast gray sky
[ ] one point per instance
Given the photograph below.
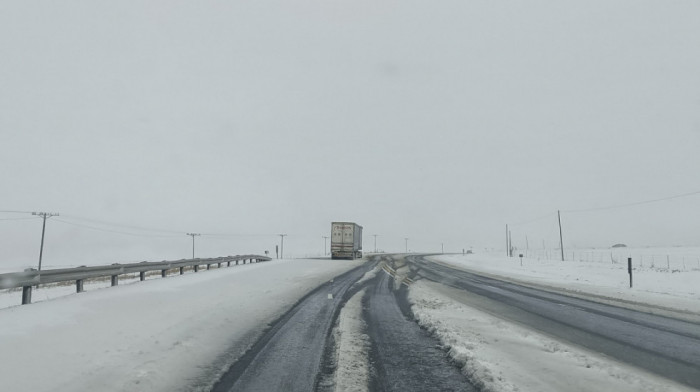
(437, 121)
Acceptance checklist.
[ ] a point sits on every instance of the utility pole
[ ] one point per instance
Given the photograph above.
(442, 247)
(406, 244)
(193, 235)
(282, 246)
(324, 245)
(561, 238)
(510, 244)
(44, 215)
(375, 243)
(507, 242)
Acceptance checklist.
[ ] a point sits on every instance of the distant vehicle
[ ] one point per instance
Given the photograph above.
(346, 240)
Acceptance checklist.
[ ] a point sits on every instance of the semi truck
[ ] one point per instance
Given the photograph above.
(346, 240)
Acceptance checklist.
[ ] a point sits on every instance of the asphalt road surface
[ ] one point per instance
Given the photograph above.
(666, 346)
(296, 353)
(406, 358)
(288, 356)
(293, 354)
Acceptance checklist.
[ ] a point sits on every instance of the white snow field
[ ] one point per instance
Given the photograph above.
(157, 335)
(607, 281)
(502, 356)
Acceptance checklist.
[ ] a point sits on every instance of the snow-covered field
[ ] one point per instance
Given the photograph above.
(678, 258)
(502, 356)
(607, 281)
(162, 334)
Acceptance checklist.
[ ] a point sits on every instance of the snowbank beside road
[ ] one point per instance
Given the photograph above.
(609, 282)
(352, 371)
(500, 356)
(163, 334)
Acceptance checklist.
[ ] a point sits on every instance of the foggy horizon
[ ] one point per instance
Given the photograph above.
(441, 123)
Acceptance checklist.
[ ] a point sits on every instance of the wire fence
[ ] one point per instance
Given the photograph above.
(660, 259)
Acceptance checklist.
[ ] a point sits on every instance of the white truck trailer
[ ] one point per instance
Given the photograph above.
(346, 240)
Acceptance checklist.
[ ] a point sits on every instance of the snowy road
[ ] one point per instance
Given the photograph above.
(274, 327)
(662, 345)
(288, 356)
(406, 357)
(299, 352)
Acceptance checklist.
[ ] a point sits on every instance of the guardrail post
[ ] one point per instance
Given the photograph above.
(229, 263)
(163, 273)
(79, 286)
(142, 275)
(182, 270)
(26, 295)
(196, 268)
(208, 266)
(219, 265)
(237, 262)
(115, 280)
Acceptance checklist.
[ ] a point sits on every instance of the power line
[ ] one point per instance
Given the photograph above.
(16, 212)
(116, 231)
(164, 232)
(634, 204)
(237, 235)
(535, 219)
(141, 228)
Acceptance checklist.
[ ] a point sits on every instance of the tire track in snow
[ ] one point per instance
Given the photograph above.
(404, 356)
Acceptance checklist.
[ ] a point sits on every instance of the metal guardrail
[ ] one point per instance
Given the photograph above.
(31, 277)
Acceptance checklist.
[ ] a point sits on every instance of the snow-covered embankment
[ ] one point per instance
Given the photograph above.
(169, 334)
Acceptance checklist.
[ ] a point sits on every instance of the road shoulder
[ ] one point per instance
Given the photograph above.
(498, 355)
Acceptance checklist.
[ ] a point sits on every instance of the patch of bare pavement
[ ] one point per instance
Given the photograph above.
(404, 356)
